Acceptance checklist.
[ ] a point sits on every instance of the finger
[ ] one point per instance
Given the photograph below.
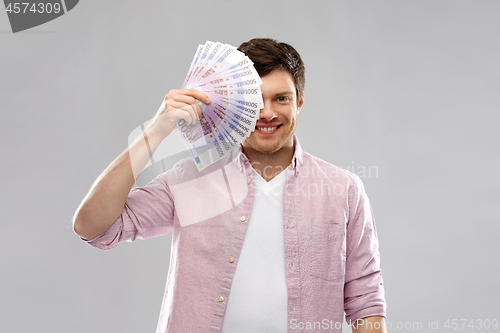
(179, 98)
(180, 114)
(194, 103)
(187, 111)
(197, 109)
(192, 112)
(201, 96)
(174, 105)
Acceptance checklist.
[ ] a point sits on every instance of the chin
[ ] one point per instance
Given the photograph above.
(266, 146)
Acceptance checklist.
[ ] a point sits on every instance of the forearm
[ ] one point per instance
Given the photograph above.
(106, 198)
(375, 324)
(105, 201)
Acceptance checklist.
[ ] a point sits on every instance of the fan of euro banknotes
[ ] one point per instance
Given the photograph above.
(231, 82)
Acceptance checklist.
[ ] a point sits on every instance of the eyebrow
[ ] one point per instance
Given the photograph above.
(284, 93)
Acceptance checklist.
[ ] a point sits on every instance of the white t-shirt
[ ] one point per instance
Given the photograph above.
(258, 297)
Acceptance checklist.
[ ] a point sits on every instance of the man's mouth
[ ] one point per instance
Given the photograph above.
(267, 129)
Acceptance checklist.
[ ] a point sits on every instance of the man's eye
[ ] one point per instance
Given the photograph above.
(283, 99)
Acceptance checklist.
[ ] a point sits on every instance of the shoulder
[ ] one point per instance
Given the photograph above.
(330, 171)
(342, 182)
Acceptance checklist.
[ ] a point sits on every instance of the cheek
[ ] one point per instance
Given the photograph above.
(290, 114)
(292, 117)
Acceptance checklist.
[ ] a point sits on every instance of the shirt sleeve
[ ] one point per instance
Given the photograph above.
(363, 290)
(148, 212)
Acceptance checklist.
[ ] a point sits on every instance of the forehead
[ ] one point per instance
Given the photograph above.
(277, 82)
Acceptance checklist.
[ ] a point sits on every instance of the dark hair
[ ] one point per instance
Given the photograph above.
(269, 54)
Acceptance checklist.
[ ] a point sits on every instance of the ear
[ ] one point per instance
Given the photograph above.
(301, 103)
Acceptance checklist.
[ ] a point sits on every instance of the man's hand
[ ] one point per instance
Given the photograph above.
(375, 324)
(177, 104)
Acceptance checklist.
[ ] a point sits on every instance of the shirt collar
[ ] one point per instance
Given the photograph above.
(298, 155)
(239, 157)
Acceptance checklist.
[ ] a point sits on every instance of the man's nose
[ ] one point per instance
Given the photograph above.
(267, 113)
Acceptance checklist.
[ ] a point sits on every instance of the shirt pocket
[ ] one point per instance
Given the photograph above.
(327, 259)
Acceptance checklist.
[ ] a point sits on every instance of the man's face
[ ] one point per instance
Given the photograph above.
(278, 118)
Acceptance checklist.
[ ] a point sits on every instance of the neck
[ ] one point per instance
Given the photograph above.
(269, 165)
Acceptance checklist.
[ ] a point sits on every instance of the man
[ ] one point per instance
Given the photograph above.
(270, 239)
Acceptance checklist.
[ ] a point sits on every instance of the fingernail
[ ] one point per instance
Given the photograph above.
(208, 100)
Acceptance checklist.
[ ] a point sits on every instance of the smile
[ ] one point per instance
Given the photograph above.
(267, 129)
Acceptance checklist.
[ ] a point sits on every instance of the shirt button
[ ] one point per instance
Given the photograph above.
(297, 169)
(249, 180)
(231, 259)
(221, 298)
(242, 219)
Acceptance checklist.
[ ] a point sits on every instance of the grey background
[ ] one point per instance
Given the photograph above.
(408, 87)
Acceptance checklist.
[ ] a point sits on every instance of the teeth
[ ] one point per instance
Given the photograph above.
(267, 129)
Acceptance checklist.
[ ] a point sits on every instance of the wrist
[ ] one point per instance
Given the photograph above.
(153, 136)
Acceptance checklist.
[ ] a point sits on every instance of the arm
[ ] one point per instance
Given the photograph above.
(363, 289)
(106, 199)
(374, 324)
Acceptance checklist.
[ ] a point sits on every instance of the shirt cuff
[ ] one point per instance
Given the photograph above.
(108, 239)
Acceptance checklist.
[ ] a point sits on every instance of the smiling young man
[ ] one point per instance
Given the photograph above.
(272, 239)
(271, 144)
